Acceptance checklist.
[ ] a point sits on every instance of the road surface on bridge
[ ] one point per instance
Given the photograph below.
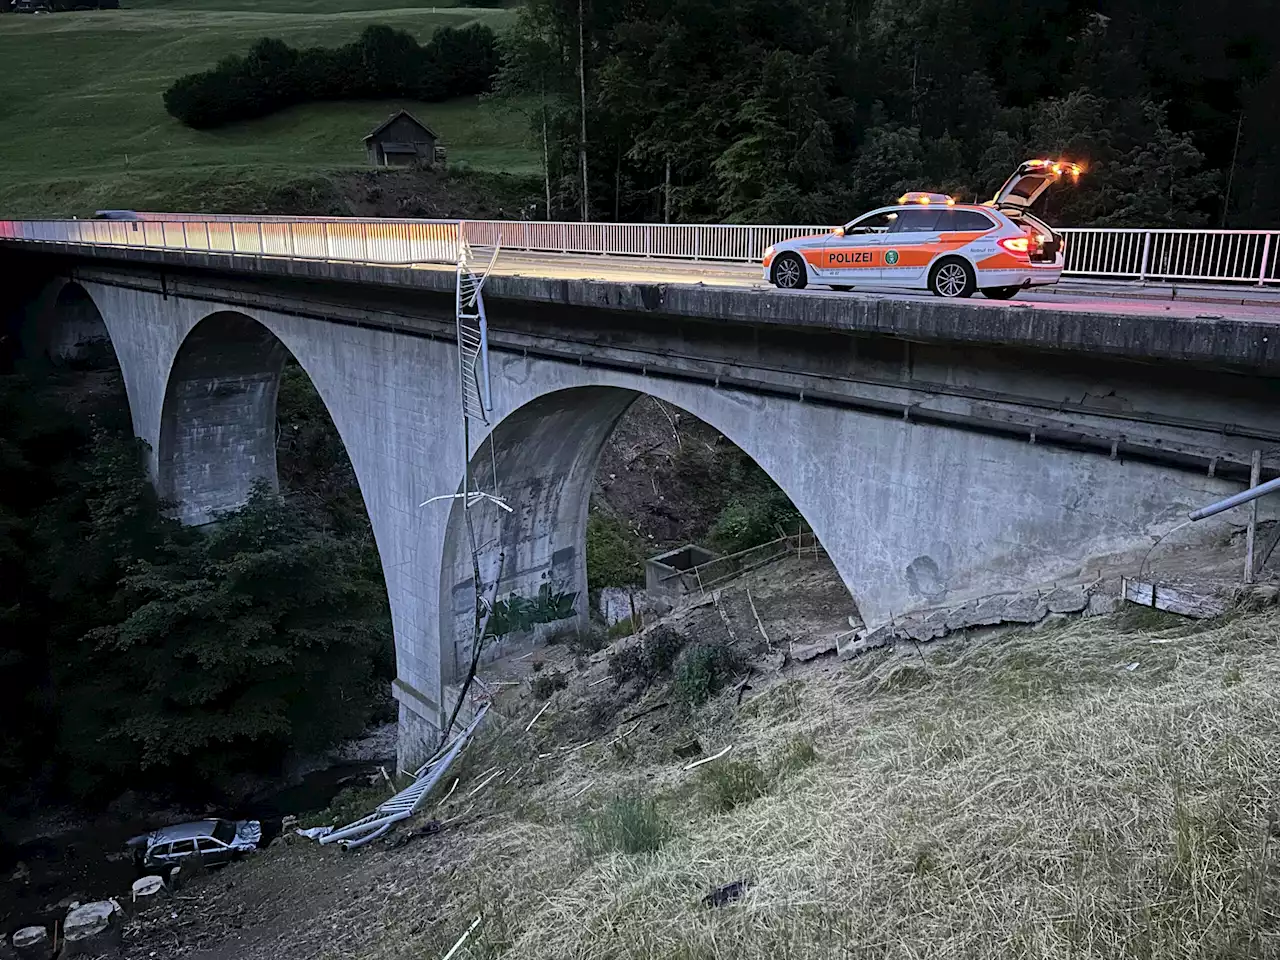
(1124, 298)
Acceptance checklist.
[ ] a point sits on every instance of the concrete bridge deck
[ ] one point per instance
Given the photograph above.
(1224, 327)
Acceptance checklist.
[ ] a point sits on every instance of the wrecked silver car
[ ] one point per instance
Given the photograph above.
(216, 841)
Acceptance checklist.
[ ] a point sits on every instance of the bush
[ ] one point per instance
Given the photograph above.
(731, 783)
(628, 824)
(648, 660)
(756, 510)
(383, 63)
(796, 755)
(613, 553)
(703, 673)
(545, 684)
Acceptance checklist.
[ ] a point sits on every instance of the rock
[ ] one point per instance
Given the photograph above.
(932, 626)
(990, 611)
(1067, 600)
(873, 639)
(804, 652)
(32, 943)
(727, 894)
(688, 750)
(1027, 608)
(1101, 604)
(615, 605)
(145, 892)
(92, 930)
(962, 617)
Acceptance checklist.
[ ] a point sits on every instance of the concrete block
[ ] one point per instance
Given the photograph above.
(1028, 608)
(1067, 599)
(804, 652)
(874, 639)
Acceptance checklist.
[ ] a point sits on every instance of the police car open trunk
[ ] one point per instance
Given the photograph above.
(1020, 191)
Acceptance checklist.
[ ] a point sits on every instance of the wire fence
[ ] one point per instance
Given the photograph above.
(712, 573)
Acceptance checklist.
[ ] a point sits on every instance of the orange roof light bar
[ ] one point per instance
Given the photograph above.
(920, 197)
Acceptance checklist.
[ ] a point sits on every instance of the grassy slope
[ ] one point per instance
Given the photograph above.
(1019, 797)
(82, 124)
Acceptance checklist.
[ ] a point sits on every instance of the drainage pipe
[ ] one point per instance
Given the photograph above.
(1244, 496)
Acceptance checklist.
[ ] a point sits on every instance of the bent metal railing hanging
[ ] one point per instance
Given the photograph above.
(1192, 256)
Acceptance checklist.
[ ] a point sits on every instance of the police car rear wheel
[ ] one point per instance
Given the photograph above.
(789, 272)
(953, 278)
(1000, 293)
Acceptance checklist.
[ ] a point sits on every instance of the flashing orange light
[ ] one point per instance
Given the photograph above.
(924, 199)
(1058, 167)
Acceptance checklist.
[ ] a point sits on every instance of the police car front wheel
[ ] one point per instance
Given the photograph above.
(952, 278)
(789, 272)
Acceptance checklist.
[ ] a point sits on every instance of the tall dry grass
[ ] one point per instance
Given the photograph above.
(1023, 797)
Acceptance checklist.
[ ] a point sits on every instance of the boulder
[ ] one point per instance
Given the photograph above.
(32, 943)
(92, 930)
(145, 892)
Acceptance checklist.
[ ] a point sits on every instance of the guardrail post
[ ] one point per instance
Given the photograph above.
(364, 236)
(697, 242)
(1146, 255)
(261, 247)
(1266, 252)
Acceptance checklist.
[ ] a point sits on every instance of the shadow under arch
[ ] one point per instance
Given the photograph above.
(542, 459)
(67, 327)
(218, 420)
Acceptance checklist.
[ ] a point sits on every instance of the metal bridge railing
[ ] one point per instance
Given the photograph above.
(1204, 256)
(1223, 256)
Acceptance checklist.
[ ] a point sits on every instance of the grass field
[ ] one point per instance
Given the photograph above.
(83, 124)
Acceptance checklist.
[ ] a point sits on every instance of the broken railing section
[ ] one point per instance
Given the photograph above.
(473, 335)
(409, 800)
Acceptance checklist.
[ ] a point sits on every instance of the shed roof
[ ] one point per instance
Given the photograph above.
(396, 116)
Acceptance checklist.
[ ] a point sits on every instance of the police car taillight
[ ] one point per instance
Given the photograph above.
(1019, 246)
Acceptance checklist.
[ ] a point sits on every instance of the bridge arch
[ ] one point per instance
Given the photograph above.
(218, 421)
(68, 327)
(542, 459)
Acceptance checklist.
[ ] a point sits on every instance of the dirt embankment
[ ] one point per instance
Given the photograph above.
(1091, 788)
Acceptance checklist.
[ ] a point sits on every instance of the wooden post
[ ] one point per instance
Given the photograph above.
(1255, 475)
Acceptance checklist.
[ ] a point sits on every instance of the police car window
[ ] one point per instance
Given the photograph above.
(915, 221)
(872, 223)
(964, 220)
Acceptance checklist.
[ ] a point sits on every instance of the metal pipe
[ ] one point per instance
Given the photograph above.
(1244, 496)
